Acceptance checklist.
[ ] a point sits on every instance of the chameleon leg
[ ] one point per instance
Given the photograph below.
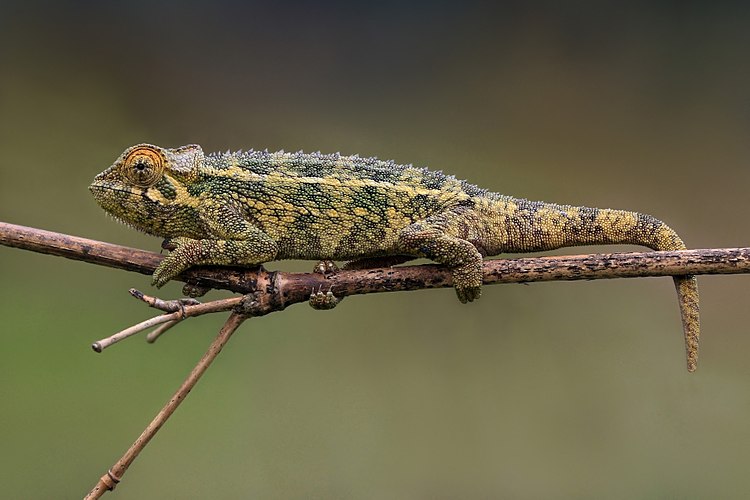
(258, 248)
(459, 254)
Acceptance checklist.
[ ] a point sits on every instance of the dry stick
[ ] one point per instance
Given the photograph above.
(183, 312)
(100, 345)
(295, 287)
(153, 336)
(113, 476)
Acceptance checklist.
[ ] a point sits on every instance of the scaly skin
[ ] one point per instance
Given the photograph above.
(253, 207)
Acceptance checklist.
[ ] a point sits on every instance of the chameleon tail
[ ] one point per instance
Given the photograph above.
(549, 226)
(642, 229)
(622, 227)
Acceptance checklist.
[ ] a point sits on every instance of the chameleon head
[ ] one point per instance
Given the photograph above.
(144, 187)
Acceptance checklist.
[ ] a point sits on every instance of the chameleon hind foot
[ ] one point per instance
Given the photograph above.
(467, 281)
(323, 301)
(319, 300)
(325, 267)
(429, 239)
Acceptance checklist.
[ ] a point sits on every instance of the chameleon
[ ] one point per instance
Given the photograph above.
(247, 208)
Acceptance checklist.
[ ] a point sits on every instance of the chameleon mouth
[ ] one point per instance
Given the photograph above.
(105, 191)
(100, 191)
(114, 201)
(114, 215)
(131, 207)
(107, 196)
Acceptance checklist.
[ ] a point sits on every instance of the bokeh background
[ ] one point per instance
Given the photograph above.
(556, 390)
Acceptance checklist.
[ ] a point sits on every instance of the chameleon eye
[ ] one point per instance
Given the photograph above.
(143, 166)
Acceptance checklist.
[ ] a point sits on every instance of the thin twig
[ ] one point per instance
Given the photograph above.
(153, 336)
(163, 305)
(182, 311)
(102, 344)
(113, 476)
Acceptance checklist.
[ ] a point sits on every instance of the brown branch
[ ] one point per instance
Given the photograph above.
(113, 476)
(290, 288)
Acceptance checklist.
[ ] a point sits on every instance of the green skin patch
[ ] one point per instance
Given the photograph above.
(253, 207)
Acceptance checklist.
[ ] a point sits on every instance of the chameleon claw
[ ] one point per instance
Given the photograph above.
(325, 267)
(323, 301)
(468, 294)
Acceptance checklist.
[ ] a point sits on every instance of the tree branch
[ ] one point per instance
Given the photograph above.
(281, 289)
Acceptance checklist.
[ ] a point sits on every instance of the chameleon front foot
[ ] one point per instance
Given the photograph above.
(161, 277)
(179, 259)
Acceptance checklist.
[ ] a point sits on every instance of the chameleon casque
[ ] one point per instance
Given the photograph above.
(247, 208)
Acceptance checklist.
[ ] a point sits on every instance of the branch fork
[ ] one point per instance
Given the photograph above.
(176, 311)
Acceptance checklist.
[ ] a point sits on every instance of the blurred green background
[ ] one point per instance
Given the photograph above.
(556, 390)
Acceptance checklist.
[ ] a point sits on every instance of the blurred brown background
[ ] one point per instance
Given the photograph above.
(557, 390)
